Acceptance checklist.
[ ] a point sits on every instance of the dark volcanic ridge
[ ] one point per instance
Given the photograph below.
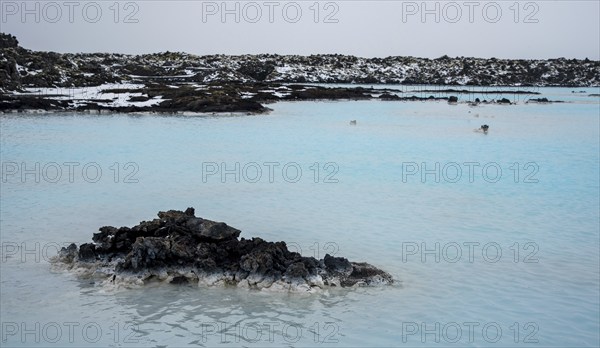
(179, 247)
(180, 82)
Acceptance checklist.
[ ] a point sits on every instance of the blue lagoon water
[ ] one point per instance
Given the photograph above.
(493, 239)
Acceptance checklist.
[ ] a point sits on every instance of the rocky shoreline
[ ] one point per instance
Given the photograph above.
(172, 82)
(179, 247)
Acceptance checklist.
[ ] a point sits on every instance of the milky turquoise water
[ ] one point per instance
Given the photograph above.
(496, 245)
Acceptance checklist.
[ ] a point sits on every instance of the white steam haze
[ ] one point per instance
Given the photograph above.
(502, 29)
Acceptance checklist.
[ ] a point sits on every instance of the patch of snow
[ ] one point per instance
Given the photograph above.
(281, 94)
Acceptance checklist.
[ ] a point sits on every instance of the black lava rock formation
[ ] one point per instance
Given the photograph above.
(179, 247)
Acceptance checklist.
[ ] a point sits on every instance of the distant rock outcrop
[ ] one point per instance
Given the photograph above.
(44, 69)
(8, 41)
(181, 82)
(257, 70)
(179, 247)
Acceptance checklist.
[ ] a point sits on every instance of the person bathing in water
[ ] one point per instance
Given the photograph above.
(485, 128)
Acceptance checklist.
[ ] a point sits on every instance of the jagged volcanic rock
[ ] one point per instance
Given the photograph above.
(49, 69)
(175, 82)
(179, 247)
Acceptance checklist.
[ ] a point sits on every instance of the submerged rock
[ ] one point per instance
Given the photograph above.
(181, 248)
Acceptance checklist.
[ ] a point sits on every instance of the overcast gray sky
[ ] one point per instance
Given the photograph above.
(502, 29)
